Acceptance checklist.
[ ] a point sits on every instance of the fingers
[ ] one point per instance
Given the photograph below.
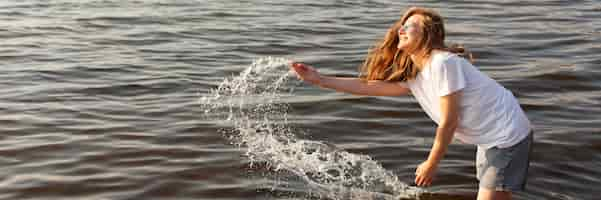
(423, 181)
(299, 69)
(301, 66)
(305, 72)
(298, 66)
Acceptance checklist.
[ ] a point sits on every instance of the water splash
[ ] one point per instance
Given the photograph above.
(252, 105)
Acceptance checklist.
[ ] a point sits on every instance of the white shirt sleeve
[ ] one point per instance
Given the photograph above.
(449, 76)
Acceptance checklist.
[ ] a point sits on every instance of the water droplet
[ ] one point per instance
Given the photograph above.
(250, 104)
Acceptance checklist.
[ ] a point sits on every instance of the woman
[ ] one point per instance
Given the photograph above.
(464, 102)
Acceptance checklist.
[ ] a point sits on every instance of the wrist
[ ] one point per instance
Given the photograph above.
(432, 162)
(319, 80)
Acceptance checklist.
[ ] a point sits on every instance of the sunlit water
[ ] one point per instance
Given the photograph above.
(259, 124)
(103, 99)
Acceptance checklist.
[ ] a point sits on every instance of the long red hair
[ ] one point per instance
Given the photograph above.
(386, 62)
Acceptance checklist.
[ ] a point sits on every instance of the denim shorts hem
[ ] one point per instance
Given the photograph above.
(505, 188)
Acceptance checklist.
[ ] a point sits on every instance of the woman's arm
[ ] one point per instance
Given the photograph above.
(349, 85)
(449, 109)
(359, 87)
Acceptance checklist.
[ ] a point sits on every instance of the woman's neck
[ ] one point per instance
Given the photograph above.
(422, 61)
(419, 61)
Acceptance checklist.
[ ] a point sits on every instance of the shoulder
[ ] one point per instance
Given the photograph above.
(441, 58)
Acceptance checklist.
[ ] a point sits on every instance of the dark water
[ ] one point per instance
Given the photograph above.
(99, 99)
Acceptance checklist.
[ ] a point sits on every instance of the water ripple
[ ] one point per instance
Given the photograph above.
(100, 99)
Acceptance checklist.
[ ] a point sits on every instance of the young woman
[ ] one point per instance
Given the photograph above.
(464, 102)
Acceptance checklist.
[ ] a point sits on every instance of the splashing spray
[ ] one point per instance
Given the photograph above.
(252, 105)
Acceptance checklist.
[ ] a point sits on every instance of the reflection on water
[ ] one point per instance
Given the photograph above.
(103, 99)
(330, 172)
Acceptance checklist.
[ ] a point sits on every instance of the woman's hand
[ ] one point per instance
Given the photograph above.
(306, 73)
(424, 174)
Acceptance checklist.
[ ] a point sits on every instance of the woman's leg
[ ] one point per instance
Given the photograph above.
(502, 170)
(488, 194)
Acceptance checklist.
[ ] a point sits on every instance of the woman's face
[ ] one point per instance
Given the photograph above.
(409, 32)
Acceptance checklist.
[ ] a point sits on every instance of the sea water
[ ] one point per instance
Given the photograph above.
(252, 105)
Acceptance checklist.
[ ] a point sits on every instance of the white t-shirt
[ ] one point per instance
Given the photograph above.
(489, 114)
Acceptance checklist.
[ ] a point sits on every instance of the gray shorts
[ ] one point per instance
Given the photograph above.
(504, 169)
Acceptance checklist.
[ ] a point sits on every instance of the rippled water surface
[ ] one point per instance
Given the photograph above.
(104, 99)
